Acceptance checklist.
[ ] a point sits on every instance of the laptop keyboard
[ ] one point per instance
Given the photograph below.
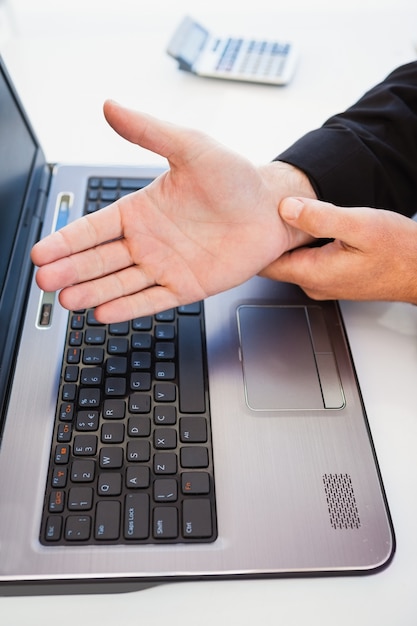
(131, 458)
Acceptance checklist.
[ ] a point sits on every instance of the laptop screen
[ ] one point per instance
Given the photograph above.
(17, 155)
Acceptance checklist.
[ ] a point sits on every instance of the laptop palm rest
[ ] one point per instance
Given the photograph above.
(287, 359)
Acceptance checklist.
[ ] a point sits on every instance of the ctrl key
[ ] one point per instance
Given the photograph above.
(196, 516)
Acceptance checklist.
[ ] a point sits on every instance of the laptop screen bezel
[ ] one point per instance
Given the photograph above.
(19, 269)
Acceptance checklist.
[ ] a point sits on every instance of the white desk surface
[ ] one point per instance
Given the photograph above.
(66, 57)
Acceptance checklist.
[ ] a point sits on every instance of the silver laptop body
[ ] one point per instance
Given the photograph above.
(297, 485)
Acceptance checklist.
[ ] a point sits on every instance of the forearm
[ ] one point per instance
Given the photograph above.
(367, 156)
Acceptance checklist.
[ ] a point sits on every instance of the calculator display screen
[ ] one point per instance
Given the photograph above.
(192, 43)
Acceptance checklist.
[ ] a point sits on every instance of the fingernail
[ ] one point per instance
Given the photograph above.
(291, 208)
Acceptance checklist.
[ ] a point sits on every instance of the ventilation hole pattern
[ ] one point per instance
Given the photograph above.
(341, 501)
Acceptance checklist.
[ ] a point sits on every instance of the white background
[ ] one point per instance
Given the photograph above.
(66, 57)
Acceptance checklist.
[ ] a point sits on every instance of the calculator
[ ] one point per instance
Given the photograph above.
(233, 58)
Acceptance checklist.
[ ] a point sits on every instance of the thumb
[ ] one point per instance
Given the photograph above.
(318, 219)
(142, 129)
(323, 220)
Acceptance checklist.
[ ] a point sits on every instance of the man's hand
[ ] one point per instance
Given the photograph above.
(373, 255)
(207, 224)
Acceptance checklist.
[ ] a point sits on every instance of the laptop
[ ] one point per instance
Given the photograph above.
(222, 439)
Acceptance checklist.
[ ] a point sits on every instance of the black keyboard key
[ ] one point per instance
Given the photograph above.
(196, 518)
(83, 471)
(141, 341)
(76, 338)
(165, 439)
(140, 381)
(142, 323)
(109, 484)
(165, 490)
(59, 477)
(138, 451)
(193, 429)
(190, 309)
(114, 409)
(115, 387)
(139, 426)
(53, 528)
(117, 345)
(195, 483)
(164, 371)
(89, 398)
(190, 366)
(136, 520)
(66, 412)
(137, 477)
(165, 522)
(165, 463)
(78, 528)
(91, 375)
(91, 320)
(69, 391)
(56, 501)
(62, 454)
(139, 403)
(141, 360)
(116, 365)
(165, 350)
(165, 414)
(85, 445)
(87, 420)
(71, 373)
(64, 433)
(165, 392)
(77, 321)
(165, 316)
(93, 356)
(80, 499)
(194, 456)
(111, 457)
(112, 432)
(164, 332)
(95, 336)
(119, 328)
(107, 524)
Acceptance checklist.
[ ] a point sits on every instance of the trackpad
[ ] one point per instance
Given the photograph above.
(282, 369)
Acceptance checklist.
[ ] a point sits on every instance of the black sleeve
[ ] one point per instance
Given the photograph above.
(367, 155)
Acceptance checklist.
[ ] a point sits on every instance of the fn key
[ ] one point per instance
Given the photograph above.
(196, 515)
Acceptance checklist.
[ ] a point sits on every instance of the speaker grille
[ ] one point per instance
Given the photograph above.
(341, 501)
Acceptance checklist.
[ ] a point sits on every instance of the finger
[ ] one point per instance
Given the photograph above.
(147, 302)
(325, 220)
(84, 266)
(164, 138)
(86, 232)
(109, 288)
(298, 266)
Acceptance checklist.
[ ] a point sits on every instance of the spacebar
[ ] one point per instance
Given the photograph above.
(190, 365)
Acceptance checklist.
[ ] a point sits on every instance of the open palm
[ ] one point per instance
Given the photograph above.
(207, 224)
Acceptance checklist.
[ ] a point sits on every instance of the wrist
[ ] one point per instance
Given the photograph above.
(288, 180)
(284, 180)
